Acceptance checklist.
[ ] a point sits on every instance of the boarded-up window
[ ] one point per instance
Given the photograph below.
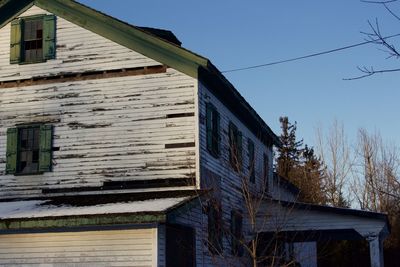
(180, 246)
(235, 147)
(213, 136)
(32, 39)
(29, 149)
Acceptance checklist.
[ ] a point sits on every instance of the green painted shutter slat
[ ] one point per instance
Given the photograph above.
(209, 126)
(11, 154)
(233, 233)
(217, 135)
(46, 133)
(15, 41)
(251, 160)
(239, 148)
(49, 37)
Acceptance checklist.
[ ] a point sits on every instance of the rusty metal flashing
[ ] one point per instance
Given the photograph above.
(90, 75)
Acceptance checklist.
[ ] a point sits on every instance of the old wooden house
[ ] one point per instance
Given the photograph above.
(119, 147)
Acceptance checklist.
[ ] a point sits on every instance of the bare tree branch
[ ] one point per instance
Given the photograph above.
(378, 2)
(370, 72)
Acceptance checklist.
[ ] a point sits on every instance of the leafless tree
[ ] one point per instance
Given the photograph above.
(256, 219)
(375, 36)
(335, 152)
(376, 185)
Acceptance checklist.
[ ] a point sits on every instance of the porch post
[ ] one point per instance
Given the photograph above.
(376, 251)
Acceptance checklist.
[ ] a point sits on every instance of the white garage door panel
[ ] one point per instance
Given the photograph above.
(135, 247)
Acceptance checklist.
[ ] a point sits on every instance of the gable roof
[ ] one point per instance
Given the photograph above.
(156, 44)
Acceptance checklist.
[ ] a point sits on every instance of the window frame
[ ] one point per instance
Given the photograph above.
(45, 154)
(19, 170)
(213, 130)
(17, 42)
(235, 147)
(252, 160)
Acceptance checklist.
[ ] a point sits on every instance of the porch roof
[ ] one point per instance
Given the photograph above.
(285, 216)
(92, 210)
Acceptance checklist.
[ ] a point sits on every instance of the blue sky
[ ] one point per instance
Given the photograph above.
(237, 33)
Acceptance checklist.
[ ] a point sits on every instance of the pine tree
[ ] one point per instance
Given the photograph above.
(299, 164)
(290, 151)
(310, 179)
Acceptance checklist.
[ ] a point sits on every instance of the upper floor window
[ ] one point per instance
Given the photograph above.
(32, 39)
(213, 136)
(252, 164)
(235, 147)
(29, 149)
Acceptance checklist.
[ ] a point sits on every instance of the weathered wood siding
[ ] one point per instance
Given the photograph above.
(193, 216)
(230, 179)
(136, 247)
(77, 50)
(110, 129)
(218, 174)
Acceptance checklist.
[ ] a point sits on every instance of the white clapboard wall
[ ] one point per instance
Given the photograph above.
(137, 247)
(78, 50)
(108, 129)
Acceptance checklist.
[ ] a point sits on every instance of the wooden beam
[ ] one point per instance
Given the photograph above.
(91, 75)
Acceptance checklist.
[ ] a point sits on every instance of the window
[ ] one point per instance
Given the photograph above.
(32, 39)
(212, 120)
(266, 170)
(252, 164)
(235, 147)
(29, 149)
(215, 228)
(236, 233)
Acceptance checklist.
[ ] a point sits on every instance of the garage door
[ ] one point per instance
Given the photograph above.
(93, 248)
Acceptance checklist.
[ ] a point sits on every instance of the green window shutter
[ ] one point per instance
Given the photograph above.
(232, 145)
(209, 126)
(45, 148)
(239, 147)
(266, 171)
(234, 241)
(49, 37)
(11, 154)
(15, 41)
(252, 163)
(217, 132)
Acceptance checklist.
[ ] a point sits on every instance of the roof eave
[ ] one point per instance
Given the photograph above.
(9, 9)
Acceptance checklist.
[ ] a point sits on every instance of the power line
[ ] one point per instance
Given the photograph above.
(308, 56)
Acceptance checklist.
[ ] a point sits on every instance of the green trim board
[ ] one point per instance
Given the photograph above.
(149, 45)
(79, 221)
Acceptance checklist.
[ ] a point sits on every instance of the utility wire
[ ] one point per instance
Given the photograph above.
(308, 56)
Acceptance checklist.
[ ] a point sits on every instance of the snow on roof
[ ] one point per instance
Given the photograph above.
(38, 208)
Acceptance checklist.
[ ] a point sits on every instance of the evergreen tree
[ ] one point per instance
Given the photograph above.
(290, 151)
(310, 179)
(299, 164)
